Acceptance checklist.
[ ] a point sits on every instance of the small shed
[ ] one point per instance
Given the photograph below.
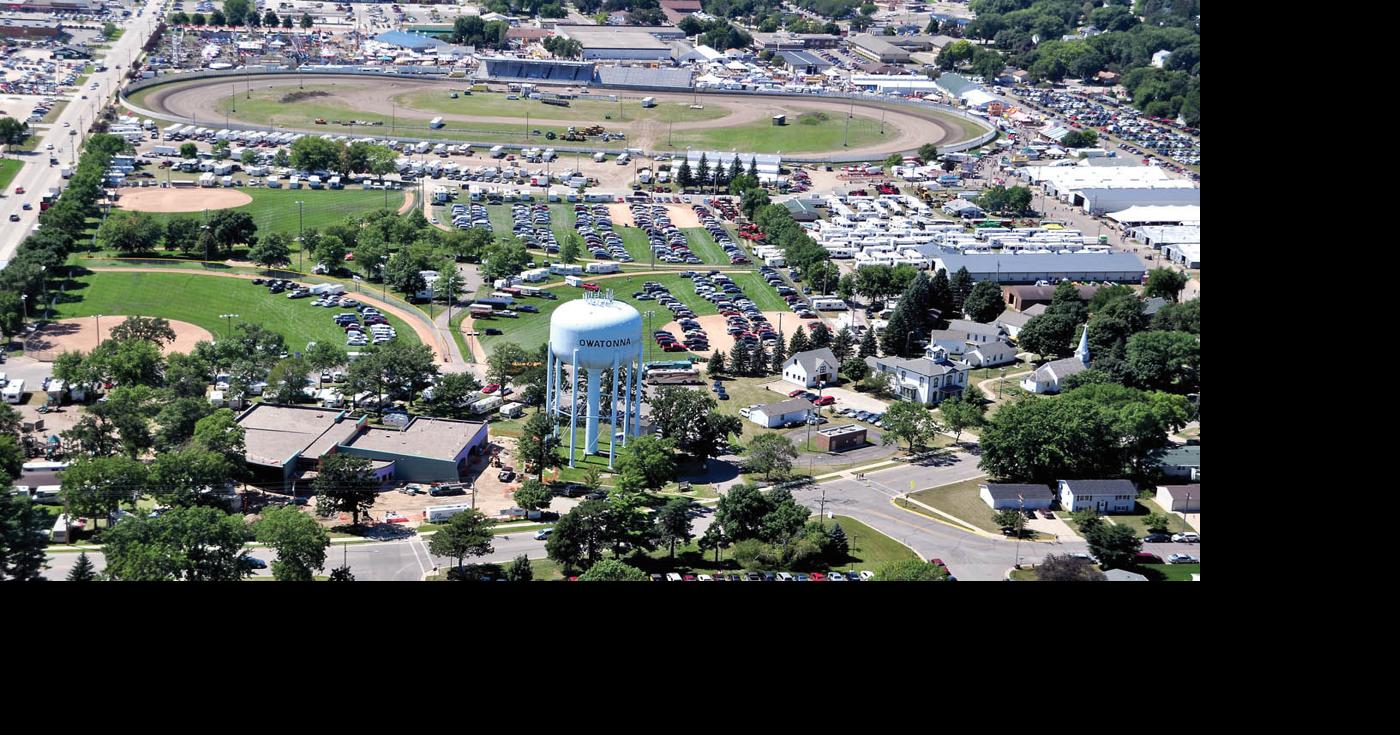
(780, 120)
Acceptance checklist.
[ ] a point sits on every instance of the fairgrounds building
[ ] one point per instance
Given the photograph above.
(283, 442)
(1032, 267)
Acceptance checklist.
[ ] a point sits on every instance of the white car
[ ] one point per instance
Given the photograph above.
(48, 147)
(1182, 559)
(867, 576)
(785, 577)
(705, 578)
(673, 577)
(432, 220)
(1188, 537)
(543, 533)
(835, 577)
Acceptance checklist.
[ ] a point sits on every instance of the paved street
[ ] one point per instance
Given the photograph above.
(36, 176)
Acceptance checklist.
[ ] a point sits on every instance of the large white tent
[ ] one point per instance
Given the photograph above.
(1159, 215)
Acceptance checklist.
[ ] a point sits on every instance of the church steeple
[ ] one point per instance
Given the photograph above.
(1083, 352)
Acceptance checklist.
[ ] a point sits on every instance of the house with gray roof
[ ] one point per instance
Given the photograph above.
(1003, 495)
(782, 413)
(977, 332)
(990, 354)
(1180, 498)
(1182, 463)
(810, 368)
(1012, 321)
(1103, 496)
(929, 380)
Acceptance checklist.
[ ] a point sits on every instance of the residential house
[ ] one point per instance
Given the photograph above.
(810, 368)
(1180, 498)
(977, 332)
(1000, 496)
(1181, 463)
(929, 380)
(1022, 298)
(773, 415)
(1046, 378)
(1011, 322)
(990, 354)
(1103, 496)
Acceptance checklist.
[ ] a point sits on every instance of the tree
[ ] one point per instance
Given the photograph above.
(182, 544)
(984, 302)
(189, 150)
(843, 345)
(339, 574)
(271, 250)
(1157, 522)
(1049, 335)
(12, 131)
(1165, 282)
(799, 342)
(1183, 317)
(960, 413)
(507, 360)
(11, 457)
(1066, 568)
(716, 363)
(181, 478)
(940, 296)
(578, 536)
(154, 329)
(97, 487)
(741, 512)
(270, 19)
(868, 346)
(467, 534)
(770, 454)
(22, 537)
(83, 570)
(1115, 546)
(612, 570)
(305, 21)
(910, 570)
(345, 484)
(1086, 520)
(313, 153)
(287, 382)
(130, 232)
(520, 570)
(236, 10)
(453, 395)
(672, 523)
(300, 543)
(569, 249)
(1010, 520)
(533, 495)
(220, 433)
(1041, 441)
(230, 227)
(652, 458)
(537, 445)
(323, 356)
(910, 422)
(713, 539)
(504, 259)
(1169, 361)
(928, 153)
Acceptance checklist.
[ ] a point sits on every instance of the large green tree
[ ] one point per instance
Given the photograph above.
(467, 534)
(612, 570)
(771, 455)
(300, 543)
(345, 484)
(652, 458)
(182, 544)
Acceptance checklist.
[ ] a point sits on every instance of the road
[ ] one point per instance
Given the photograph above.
(36, 176)
(405, 560)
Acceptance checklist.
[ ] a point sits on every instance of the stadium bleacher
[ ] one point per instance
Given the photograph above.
(539, 70)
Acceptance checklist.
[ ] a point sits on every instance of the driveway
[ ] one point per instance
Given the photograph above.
(846, 398)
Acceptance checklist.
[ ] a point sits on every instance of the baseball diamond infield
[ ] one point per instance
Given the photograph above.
(403, 107)
(181, 199)
(68, 335)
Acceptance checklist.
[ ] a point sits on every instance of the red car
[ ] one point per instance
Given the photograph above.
(491, 388)
(19, 189)
(590, 287)
(824, 401)
(796, 393)
(938, 562)
(673, 347)
(818, 577)
(689, 578)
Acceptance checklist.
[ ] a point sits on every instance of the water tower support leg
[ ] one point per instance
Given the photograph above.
(573, 408)
(549, 389)
(595, 409)
(612, 426)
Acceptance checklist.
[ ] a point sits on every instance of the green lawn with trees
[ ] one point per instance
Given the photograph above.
(200, 299)
(276, 210)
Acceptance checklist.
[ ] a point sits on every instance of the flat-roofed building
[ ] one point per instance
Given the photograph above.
(840, 438)
(641, 43)
(878, 49)
(425, 450)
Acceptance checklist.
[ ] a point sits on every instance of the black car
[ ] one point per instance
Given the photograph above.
(506, 475)
(493, 331)
(596, 495)
(571, 490)
(1156, 538)
(442, 490)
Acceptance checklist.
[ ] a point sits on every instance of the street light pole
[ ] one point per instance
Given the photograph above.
(228, 320)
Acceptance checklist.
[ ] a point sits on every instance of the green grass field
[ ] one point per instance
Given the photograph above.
(496, 105)
(200, 299)
(1136, 520)
(798, 136)
(960, 500)
(9, 167)
(276, 210)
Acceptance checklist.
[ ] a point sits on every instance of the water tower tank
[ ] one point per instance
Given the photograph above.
(601, 330)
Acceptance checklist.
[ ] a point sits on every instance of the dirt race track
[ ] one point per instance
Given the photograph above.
(908, 129)
(181, 199)
(80, 333)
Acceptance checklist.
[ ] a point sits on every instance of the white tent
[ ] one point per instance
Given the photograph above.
(1142, 215)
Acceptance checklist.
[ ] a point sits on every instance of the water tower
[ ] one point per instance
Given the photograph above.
(595, 334)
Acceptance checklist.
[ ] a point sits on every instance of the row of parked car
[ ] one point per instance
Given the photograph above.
(377, 323)
(594, 224)
(851, 576)
(743, 320)
(531, 223)
(1123, 122)
(470, 217)
(695, 338)
(667, 241)
(799, 305)
(712, 225)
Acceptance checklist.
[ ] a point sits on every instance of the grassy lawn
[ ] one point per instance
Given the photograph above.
(52, 115)
(1169, 572)
(276, 210)
(9, 167)
(1136, 520)
(583, 111)
(200, 299)
(543, 570)
(960, 500)
(805, 133)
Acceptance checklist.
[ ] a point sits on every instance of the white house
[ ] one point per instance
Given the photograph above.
(773, 415)
(1011, 322)
(962, 208)
(1046, 378)
(807, 369)
(1104, 496)
(977, 332)
(929, 380)
(1180, 498)
(990, 355)
(952, 340)
(999, 496)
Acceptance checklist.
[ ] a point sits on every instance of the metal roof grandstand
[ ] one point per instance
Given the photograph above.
(635, 76)
(540, 70)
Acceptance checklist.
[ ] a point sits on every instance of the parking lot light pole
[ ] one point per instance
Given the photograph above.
(98, 317)
(228, 320)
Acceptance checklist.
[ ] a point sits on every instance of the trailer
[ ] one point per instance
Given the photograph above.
(602, 268)
(575, 281)
(435, 123)
(648, 102)
(486, 405)
(444, 513)
(829, 304)
(498, 151)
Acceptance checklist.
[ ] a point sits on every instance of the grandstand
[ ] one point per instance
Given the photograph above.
(637, 77)
(542, 71)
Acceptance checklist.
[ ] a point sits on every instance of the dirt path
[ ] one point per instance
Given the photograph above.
(425, 333)
(408, 197)
(181, 200)
(987, 391)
